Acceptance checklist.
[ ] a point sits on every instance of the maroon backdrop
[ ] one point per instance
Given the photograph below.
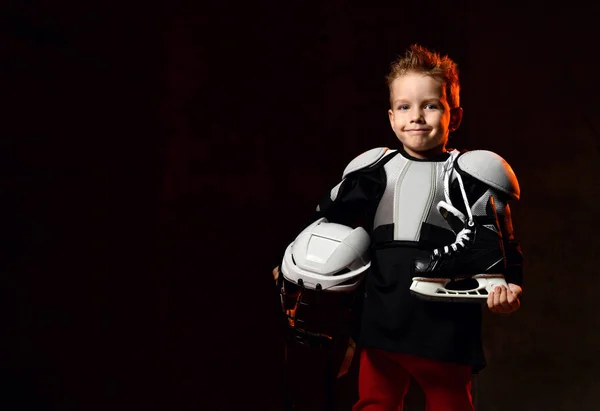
(156, 158)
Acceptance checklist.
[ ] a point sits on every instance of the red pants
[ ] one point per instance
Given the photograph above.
(384, 378)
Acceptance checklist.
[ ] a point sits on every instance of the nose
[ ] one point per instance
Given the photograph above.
(417, 117)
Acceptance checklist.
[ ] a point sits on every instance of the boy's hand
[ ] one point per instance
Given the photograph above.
(276, 273)
(505, 301)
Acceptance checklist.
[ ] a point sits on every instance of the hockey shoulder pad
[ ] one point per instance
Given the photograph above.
(491, 169)
(366, 159)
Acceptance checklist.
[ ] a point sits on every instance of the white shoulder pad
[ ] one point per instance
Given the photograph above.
(490, 168)
(366, 159)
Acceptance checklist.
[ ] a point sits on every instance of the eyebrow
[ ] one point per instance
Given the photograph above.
(401, 100)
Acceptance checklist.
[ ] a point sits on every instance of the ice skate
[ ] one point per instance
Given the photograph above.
(468, 269)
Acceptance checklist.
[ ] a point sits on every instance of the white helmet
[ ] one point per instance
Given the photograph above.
(327, 256)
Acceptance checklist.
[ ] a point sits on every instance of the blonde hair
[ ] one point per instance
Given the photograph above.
(421, 60)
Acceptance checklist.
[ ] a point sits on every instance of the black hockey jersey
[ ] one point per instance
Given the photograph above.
(395, 200)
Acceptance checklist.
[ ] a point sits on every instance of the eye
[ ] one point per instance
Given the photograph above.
(403, 107)
(432, 106)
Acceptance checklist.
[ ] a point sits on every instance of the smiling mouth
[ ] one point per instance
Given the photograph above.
(418, 130)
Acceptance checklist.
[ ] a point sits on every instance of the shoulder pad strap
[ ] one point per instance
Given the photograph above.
(366, 159)
(490, 168)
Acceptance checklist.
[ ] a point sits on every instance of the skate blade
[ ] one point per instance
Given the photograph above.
(435, 289)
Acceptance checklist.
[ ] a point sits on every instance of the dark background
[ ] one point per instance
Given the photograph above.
(156, 157)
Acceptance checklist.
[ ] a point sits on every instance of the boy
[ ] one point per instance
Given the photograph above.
(394, 193)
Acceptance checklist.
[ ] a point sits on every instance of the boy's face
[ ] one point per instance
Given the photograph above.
(420, 115)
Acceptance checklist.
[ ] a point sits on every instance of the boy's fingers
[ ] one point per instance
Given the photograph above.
(502, 300)
(513, 300)
(498, 292)
(517, 290)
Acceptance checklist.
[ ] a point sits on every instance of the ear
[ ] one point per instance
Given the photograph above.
(391, 117)
(455, 118)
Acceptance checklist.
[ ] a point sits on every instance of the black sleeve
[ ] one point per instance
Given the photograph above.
(355, 200)
(512, 248)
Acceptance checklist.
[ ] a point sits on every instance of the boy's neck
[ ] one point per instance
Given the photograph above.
(434, 156)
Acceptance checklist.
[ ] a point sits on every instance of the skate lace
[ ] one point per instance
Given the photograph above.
(462, 239)
(464, 236)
